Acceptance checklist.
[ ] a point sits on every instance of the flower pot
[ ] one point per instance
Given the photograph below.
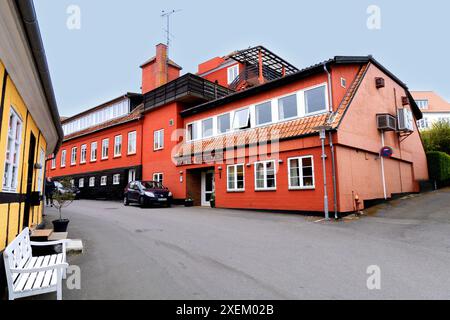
(188, 203)
(60, 225)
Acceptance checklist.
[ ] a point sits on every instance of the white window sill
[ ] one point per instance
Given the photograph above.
(236, 191)
(268, 189)
(301, 188)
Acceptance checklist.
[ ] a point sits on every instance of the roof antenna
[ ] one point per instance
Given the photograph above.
(168, 15)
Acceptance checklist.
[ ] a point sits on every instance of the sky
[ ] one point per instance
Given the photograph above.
(98, 59)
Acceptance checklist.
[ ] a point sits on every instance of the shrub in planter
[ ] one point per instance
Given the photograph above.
(189, 202)
(439, 167)
(213, 200)
(62, 199)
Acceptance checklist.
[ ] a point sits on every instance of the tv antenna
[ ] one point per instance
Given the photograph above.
(168, 15)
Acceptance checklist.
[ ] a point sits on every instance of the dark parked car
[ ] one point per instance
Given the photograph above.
(147, 193)
(61, 189)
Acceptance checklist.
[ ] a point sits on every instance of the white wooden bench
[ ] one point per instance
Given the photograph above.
(28, 275)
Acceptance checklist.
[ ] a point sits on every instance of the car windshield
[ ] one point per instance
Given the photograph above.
(152, 185)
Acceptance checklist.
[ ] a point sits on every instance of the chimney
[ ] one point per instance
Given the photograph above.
(159, 70)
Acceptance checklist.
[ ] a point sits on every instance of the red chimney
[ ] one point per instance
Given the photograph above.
(158, 70)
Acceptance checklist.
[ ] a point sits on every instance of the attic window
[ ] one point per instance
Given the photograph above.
(379, 82)
(343, 83)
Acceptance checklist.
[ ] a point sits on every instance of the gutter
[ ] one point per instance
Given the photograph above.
(27, 13)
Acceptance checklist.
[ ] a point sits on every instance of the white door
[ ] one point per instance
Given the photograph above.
(207, 187)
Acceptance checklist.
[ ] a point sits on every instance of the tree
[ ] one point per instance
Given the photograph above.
(438, 137)
(63, 198)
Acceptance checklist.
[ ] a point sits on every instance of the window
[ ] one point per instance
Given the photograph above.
(73, 156)
(235, 178)
(81, 183)
(301, 173)
(422, 104)
(83, 153)
(117, 146)
(92, 182)
(63, 158)
(287, 107)
(54, 162)
(103, 180)
(93, 151)
(343, 83)
(41, 170)
(116, 179)
(207, 128)
(315, 100)
(132, 142)
(72, 183)
(105, 149)
(241, 119)
(158, 177)
(263, 113)
(265, 177)
(192, 131)
(158, 140)
(223, 123)
(233, 73)
(131, 175)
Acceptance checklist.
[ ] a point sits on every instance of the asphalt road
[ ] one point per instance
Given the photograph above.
(196, 253)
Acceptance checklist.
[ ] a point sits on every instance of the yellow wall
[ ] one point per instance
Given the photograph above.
(16, 210)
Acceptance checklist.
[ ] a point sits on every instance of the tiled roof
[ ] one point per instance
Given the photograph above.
(283, 130)
(134, 115)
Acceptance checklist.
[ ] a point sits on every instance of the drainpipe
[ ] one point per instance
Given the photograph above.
(330, 92)
(333, 168)
(382, 168)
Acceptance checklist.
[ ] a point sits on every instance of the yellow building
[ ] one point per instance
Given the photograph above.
(30, 129)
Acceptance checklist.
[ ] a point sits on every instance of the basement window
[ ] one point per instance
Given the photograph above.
(104, 181)
(92, 182)
(81, 183)
(301, 173)
(241, 119)
(116, 179)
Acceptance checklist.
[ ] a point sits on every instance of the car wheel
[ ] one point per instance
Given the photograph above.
(126, 202)
(142, 201)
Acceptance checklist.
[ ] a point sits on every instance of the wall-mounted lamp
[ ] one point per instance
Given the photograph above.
(220, 172)
(38, 166)
(280, 161)
(249, 165)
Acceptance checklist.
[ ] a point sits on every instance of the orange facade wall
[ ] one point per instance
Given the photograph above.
(112, 162)
(359, 166)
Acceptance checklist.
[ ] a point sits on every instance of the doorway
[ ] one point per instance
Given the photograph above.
(30, 175)
(208, 187)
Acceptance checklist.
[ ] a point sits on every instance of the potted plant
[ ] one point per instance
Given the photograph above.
(212, 202)
(62, 198)
(189, 202)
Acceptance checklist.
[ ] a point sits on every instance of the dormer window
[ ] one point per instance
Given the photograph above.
(241, 119)
(233, 73)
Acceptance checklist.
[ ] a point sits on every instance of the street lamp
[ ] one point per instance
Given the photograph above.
(323, 136)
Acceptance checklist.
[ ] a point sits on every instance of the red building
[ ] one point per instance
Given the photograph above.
(245, 129)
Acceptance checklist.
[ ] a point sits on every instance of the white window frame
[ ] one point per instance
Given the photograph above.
(271, 114)
(235, 180)
(278, 108)
(104, 181)
(94, 151)
(158, 177)
(53, 163)
(158, 140)
(249, 118)
(91, 182)
(132, 142)
(81, 183)
(116, 179)
(265, 188)
(63, 158)
(302, 186)
(212, 128)
(196, 127)
(105, 146)
(118, 146)
(230, 129)
(83, 154)
(73, 156)
(232, 73)
(327, 103)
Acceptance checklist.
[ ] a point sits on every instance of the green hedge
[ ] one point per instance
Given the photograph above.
(439, 166)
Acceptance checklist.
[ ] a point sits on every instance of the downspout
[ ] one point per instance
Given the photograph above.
(333, 160)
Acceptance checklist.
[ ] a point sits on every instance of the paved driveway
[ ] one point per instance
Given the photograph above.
(196, 253)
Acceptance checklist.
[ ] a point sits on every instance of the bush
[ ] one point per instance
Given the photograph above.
(439, 167)
(437, 138)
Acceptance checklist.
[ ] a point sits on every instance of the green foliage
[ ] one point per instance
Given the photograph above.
(439, 166)
(437, 138)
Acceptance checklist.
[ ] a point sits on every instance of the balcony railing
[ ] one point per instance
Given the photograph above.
(251, 76)
(188, 88)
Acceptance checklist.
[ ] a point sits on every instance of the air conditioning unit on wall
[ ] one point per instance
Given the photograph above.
(386, 122)
(405, 120)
